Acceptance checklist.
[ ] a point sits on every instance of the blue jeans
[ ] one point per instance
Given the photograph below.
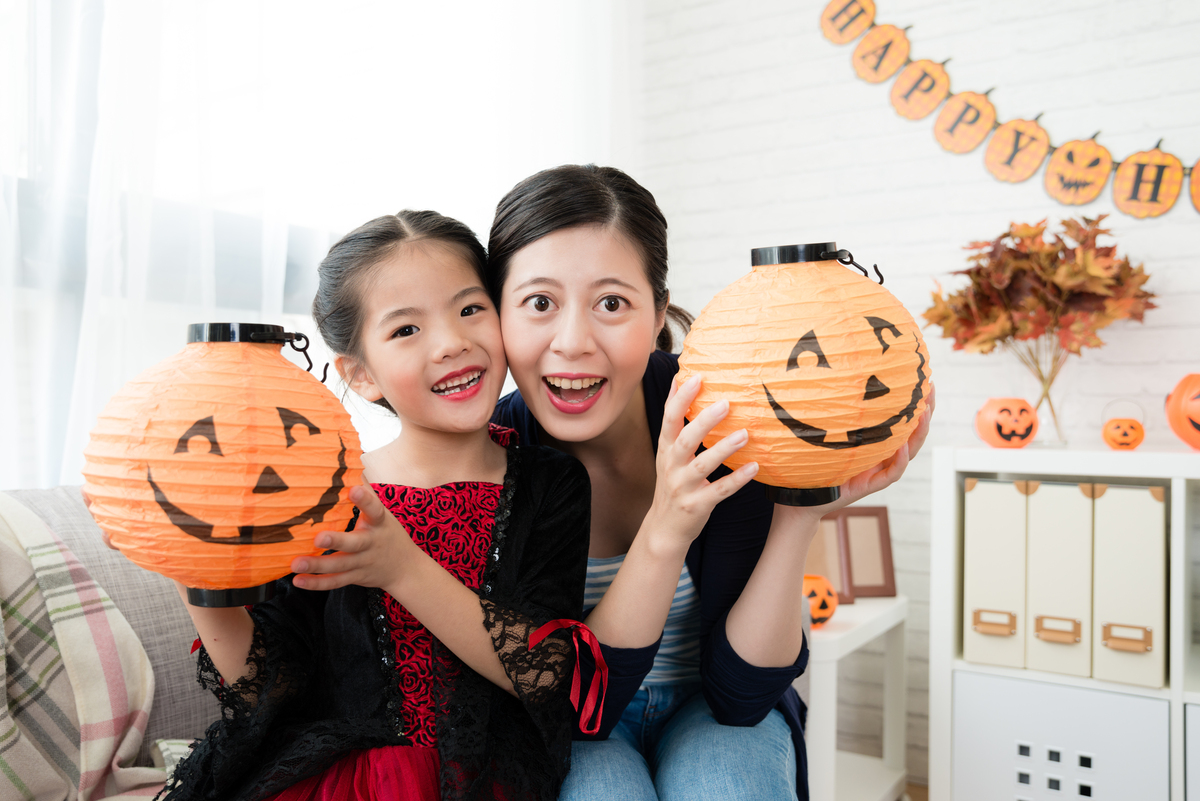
(668, 747)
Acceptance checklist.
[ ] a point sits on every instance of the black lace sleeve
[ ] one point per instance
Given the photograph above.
(538, 674)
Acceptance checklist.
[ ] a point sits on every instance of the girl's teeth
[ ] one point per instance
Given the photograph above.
(457, 384)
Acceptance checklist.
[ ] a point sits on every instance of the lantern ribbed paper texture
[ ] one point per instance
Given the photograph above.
(823, 367)
(219, 465)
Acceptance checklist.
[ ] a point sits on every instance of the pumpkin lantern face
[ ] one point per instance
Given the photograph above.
(219, 465)
(1123, 433)
(1006, 423)
(1183, 410)
(822, 600)
(823, 367)
(1077, 172)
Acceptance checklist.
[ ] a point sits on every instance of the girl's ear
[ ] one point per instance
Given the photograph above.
(357, 378)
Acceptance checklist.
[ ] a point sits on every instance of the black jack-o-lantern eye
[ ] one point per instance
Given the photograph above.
(268, 482)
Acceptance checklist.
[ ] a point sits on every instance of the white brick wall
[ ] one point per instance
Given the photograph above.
(756, 131)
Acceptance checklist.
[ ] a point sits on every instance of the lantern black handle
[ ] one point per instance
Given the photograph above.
(290, 338)
(845, 257)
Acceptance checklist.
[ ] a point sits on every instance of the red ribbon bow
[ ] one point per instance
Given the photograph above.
(594, 706)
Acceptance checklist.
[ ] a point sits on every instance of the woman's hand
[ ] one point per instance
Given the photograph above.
(376, 553)
(683, 495)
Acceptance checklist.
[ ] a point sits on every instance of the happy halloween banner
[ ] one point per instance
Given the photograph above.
(1144, 184)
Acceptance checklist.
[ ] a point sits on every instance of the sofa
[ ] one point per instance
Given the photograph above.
(181, 709)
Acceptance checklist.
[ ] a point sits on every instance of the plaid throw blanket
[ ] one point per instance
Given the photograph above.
(78, 683)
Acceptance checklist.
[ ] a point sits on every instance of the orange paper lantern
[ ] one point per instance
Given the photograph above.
(880, 53)
(1123, 433)
(921, 88)
(823, 367)
(1147, 184)
(1016, 150)
(965, 121)
(1077, 172)
(1183, 410)
(822, 599)
(1006, 423)
(843, 20)
(218, 466)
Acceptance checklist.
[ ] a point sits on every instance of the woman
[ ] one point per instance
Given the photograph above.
(577, 265)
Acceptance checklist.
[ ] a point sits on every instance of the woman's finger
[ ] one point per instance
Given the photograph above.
(708, 461)
(675, 410)
(693, 434)
(725, 486)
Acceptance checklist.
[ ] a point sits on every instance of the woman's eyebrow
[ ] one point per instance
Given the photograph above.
(613, 282)
(538, 281)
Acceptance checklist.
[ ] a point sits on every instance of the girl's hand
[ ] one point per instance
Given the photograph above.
(375, 554)
(683, 495)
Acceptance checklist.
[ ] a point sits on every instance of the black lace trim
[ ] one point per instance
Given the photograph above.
(487, 582)
(387, 660)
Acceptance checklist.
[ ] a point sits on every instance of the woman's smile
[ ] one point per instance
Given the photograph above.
(573, 394)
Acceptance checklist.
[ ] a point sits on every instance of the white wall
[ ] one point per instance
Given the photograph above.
(756, 131)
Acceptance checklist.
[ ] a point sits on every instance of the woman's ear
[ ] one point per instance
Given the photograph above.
(660, 316)
(357, 378)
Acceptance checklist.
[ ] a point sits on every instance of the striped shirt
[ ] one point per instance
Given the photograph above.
(678, 657)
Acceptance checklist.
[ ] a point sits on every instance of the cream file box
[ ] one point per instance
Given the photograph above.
(1129, 630)
(1058, 596)
(994, 572)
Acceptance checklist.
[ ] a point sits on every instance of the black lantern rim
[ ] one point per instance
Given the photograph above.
(238, 596)
(237, 332)
(818, 496)
(793, 254)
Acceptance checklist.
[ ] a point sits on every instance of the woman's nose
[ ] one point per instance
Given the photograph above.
(573, 337)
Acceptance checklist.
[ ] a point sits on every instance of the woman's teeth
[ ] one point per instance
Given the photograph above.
(574, 390)
(458, 384)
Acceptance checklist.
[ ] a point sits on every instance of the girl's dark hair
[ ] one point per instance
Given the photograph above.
(574, 195)
(338, 306)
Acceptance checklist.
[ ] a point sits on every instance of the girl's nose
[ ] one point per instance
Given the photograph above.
(451, 343)
(573, 337)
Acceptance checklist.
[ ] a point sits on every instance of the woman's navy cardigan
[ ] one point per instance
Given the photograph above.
(720, 561)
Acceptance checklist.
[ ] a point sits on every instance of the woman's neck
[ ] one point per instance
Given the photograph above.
(422, 457)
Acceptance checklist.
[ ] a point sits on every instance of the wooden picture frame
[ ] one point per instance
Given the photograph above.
(868, 550)
(829, 556)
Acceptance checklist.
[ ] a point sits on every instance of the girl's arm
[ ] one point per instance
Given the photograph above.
(226, 633)
(634, 610)
(379, 553)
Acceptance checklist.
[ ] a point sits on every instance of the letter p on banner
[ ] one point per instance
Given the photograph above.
(844, 20)
(920, 89)
(965, 121)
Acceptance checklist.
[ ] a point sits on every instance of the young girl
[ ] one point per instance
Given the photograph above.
(402, 666)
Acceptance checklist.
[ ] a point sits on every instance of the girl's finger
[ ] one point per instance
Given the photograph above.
(693, 434)
(334, 563)
(712, 458)
(323, 582)
(368, 503)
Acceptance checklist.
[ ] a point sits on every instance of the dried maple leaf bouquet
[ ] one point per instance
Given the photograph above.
(1042, 299)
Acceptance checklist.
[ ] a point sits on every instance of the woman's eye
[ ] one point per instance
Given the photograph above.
(540, 303)
(611, 303)
(405, 331)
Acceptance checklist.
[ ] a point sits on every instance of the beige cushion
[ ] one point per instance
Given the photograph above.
(151, 605)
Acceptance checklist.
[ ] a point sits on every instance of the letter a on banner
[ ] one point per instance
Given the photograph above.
(1147, 184)
(965, 121)
(920, 89)
(1016, 150)
(844, 20)
(880, 53)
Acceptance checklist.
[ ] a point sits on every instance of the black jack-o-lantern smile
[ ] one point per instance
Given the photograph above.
(269, 482)
(1014, 420)
(873, 389)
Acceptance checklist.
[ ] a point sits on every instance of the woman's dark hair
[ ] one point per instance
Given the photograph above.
(338, 306)
(574, 195)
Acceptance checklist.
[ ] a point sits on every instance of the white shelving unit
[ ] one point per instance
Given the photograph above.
(839, 775)
(1179, 470)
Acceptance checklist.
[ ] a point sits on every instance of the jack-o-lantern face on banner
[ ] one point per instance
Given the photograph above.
(219, 465)
(1147, 184)
(880, 53)
(843, 21)
(1016, 150)
(965, 121)
(1194, 185)
(920, 88)
(1123, 433)
(1183, 410)
(1077, 172)
(1006, 423)
(823, 367)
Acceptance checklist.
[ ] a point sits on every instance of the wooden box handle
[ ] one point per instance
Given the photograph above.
(1065, 636)
(996, 629)
(1135, 645)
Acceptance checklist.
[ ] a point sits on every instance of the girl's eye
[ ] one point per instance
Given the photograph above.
(612, 303)
(405, 331)
(540, 303)
(474, 308)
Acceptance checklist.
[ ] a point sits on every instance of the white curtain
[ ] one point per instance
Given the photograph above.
(163, 163)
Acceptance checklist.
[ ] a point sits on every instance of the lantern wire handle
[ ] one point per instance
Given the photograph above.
(304, 350)
(847, 258)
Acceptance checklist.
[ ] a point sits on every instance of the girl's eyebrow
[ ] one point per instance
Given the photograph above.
(409, 311)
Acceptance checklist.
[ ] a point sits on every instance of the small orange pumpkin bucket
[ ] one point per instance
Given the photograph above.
(1006, 422)
(1123, 433)
(219, 465)
(822, 599)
